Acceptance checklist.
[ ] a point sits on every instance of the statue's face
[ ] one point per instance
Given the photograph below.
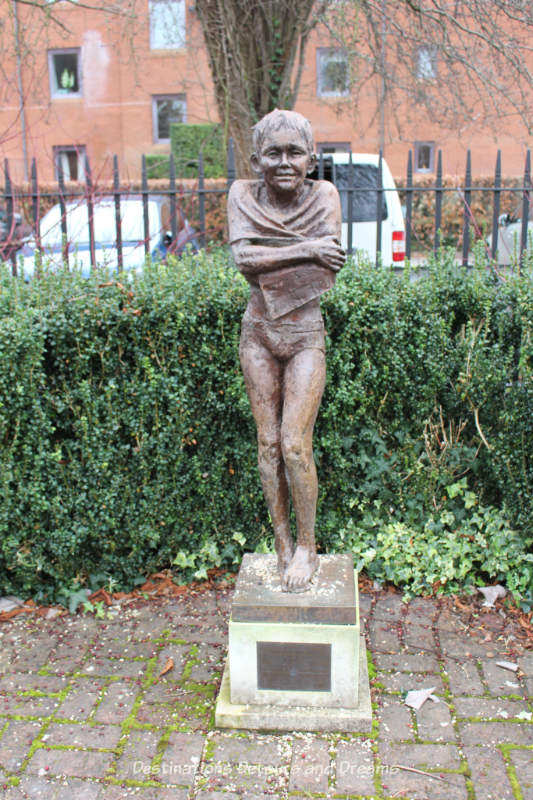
(284, 160)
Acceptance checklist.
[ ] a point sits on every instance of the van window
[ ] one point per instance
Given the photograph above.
(364, 197)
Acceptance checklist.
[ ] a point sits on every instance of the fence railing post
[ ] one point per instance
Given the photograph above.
(379, 214)
(438, 204)
(35, 223)
(349, 204)
(144, 195)
(466, 209)
(173, 214)
(525, 207)
(201, 198)
(496, 205)
(118, 216)
(10, 217)
(90, 210)
(409, 205)
(63, 209)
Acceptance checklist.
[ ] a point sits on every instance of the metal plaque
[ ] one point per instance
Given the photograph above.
(290, 666)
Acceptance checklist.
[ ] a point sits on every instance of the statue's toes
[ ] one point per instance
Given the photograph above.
(298, 583)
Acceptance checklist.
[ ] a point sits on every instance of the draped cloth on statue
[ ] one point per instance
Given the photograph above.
(251, 217)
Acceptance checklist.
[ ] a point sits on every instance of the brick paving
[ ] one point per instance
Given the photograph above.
(85, 713)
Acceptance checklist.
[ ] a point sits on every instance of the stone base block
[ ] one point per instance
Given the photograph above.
(263, 717)
(292, 664)
(292, 649)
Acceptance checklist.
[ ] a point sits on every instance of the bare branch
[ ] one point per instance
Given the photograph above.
(482, 52)
(46, 5)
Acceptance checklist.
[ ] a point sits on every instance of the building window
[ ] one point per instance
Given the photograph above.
(332, 72)
(424, 156)
(167, 108)
(65, 76)
(70, 160)
(167, 24)
(426, 64)
(333, 147)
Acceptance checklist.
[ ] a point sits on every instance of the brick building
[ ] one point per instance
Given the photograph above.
(104, 84)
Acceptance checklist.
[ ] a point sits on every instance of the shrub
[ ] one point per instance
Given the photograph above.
(157, 166)
(127, 443)
(187, 140)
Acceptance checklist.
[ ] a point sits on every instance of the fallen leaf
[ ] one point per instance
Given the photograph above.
(9, 603)
(168, 666)
(100, 595)
(6, 615)
(462, 606)
(52, 613)
(417, 697)
(491, 594)
(507, 665)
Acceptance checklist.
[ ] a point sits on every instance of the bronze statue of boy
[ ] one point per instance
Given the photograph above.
(285, 236)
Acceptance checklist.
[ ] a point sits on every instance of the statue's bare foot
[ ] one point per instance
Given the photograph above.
(301, 569)
(285, 552)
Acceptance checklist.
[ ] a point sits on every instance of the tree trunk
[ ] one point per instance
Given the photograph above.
(256, 54)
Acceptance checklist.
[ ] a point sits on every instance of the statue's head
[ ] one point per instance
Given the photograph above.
(278, 119)
(283, 150)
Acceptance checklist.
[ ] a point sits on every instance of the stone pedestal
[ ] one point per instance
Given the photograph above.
(296, 661)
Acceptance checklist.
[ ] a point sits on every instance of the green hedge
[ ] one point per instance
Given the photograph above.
(157, 166)
(127, 444)
(187, 140)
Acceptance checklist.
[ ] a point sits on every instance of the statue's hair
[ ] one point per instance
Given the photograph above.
(282, 119)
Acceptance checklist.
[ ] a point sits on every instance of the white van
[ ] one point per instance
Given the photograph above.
(362, 178)
(77, 243)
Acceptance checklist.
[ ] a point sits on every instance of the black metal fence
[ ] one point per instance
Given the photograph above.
(521, 192)
(22, 207)
(88, 192)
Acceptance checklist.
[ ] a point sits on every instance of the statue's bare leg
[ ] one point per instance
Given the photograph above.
(263, 376)
(304, 381)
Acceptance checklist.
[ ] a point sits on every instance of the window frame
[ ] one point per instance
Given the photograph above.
(321, 53)
(155, 119)
(430, 54)
(338, 147)
(81, 152)
(432, 150)
(183, 42)
(55, 91)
